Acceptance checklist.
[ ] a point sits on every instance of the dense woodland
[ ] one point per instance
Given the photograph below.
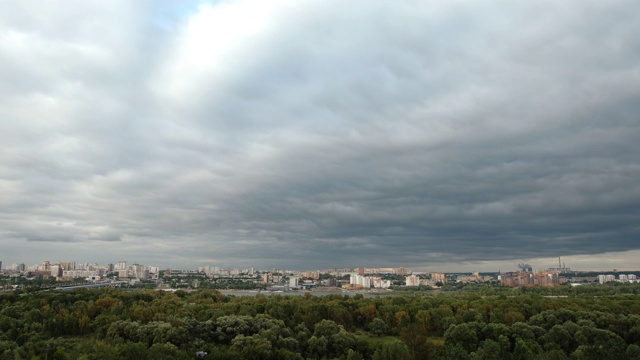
(590, 322)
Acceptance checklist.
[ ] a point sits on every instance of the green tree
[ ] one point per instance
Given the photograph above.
(318, 347)
(526, 350)
(393, 350)
(103, 351)
(326, 328)
(378, 327)
(456, 352)
(416, 337)
(423, 318)
(341, 343)
(402, 319)
(441, 318)
(253, 347)
(462, 335)
(560, 337)
(472, 315)
(60, 354)
(495, 350)
(512, 317)
(133, 351)
(354, 355)
(166, 351)
(599, 344)
(633, 351)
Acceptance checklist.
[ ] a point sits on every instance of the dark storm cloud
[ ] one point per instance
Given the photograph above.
(320, 134)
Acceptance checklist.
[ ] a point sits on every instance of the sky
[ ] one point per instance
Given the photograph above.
(457, 135)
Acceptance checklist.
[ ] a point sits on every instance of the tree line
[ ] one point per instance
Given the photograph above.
(599, 322)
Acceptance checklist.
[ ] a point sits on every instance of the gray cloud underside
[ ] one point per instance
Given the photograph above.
(320, 134)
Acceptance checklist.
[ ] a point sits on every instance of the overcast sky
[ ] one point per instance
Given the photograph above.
(305, 134)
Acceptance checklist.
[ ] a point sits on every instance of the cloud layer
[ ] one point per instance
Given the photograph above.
(318, 133)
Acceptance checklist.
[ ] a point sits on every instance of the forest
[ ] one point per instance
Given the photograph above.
(594, 322)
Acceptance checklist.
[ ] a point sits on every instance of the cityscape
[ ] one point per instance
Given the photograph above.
(279, 280)
(319, 180)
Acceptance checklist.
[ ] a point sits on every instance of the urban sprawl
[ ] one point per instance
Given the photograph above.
(69, 274)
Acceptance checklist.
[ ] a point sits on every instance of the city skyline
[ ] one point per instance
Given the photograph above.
(574, 263)
(316, 134)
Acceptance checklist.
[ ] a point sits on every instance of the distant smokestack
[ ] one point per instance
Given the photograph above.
(525, 267)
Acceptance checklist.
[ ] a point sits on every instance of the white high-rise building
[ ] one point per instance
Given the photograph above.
(139, 271)
(364, 281)
(294, 282)
(56, 270)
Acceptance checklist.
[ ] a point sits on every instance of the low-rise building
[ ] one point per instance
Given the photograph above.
(542, 278)
(412, 280)
(379, 283)
(438, 278)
